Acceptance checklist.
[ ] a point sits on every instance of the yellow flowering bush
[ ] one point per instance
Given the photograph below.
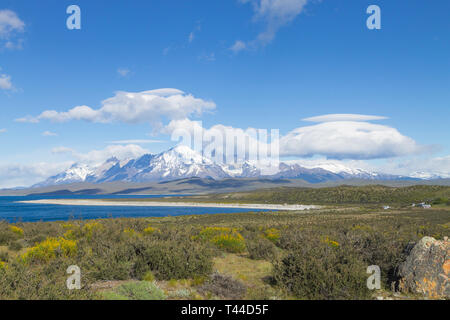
(67, 226)
(151, 230)
(3, 265)
(70, 234)
(130, 233)
(49, 249)
(228, 239)
(16, 230)
(272, 234)
(90, 228)
(331, 243)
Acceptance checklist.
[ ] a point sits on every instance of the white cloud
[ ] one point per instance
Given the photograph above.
(207, 57)
(238, 46)
(9, 23)
(5, 82)
(191, 37)
(13, 175)
(14, 44)
(343, 117)
(3, 130)
(121, 152)
(348, 140)
(233, 143)
(10, 26)
(133, 107)
(274, 14)
(420, 167)
(62, 150)
(336, 140)
(123, 72)
(49, 134)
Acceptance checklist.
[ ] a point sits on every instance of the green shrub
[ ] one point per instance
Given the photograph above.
(142, 290)
(4, 256)
(170, 260)
(148, 276)
(108, 262)
(15, 246)
(375, 248)
(322, 272)
(7, 236)
(261, 249)
(20, 282)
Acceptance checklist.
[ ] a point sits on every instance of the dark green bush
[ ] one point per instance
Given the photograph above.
(19, 282)
(6, 237)
(261, 249)
(15, 246)
(172, 260)
(322, 272)
(109, 261)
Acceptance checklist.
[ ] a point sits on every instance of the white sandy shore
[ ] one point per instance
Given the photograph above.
(92, 202)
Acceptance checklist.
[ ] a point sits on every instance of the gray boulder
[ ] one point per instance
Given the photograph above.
(427, 269)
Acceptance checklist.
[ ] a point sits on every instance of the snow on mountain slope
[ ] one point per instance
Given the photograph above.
(179, 162)
(334, 167)
(183, 162)
(429, 175)
(76, 173)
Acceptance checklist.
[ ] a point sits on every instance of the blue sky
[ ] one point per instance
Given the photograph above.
(319, 59)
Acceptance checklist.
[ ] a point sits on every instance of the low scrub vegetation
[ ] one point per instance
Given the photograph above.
(373, 194)
(262, 255)
(142, 290)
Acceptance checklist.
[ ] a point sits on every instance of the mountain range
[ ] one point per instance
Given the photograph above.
(182, 162)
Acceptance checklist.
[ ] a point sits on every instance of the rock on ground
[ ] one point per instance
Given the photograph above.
(427, 269)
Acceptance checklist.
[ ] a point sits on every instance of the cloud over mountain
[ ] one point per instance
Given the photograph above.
(133, 107)
(343, 117)
(348, 140)
(335, 136)
(335, 140)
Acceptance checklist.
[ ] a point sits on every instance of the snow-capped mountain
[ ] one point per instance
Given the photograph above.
(430, 175)
(178, 162)
(183, 162)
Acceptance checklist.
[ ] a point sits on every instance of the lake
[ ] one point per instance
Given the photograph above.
(11, 211)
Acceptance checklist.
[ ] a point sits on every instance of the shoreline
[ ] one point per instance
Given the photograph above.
(95, 202)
